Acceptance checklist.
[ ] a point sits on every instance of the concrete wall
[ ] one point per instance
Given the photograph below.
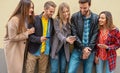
(8, 6)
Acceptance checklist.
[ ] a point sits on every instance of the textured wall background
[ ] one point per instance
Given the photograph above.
(8, 6)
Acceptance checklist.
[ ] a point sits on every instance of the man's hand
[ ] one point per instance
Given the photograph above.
(43, 39)
(86, 52)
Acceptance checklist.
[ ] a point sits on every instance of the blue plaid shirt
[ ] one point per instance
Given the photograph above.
(86, 30)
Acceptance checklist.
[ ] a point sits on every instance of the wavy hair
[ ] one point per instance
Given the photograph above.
(109, 20)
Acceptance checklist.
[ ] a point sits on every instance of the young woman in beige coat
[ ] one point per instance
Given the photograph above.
(17, 34)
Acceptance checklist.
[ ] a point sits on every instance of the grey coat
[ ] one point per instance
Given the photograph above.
(59, 39)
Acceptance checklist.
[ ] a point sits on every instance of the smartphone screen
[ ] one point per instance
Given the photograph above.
(48, 37)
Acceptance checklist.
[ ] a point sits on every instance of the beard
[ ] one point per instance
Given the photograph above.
(84, 13)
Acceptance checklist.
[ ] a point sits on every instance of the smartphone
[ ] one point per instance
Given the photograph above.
(47, 37)
(72, 37)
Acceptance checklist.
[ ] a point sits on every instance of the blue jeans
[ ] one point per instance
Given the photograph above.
(59, 64)
(100, 67)
(75, 61)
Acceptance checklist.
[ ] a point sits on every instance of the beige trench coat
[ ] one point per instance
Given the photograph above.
(14, 46)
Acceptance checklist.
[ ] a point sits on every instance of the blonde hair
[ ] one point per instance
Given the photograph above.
(60, 13)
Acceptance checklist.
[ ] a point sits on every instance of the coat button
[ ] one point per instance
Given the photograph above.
(24, 42)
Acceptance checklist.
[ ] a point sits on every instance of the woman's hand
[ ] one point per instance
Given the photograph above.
(70, 39)
(31, 30)
(96, 60)
(103, 46)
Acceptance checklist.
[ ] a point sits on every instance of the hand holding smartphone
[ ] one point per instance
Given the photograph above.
(72, 37)
(99, 44)
(103, 46)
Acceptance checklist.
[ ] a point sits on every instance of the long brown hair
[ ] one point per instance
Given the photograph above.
(60, 13)
(22, 9)
(109, 20)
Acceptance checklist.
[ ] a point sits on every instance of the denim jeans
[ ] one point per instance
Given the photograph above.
(100, 67)
(75, 61)
(59, 64)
